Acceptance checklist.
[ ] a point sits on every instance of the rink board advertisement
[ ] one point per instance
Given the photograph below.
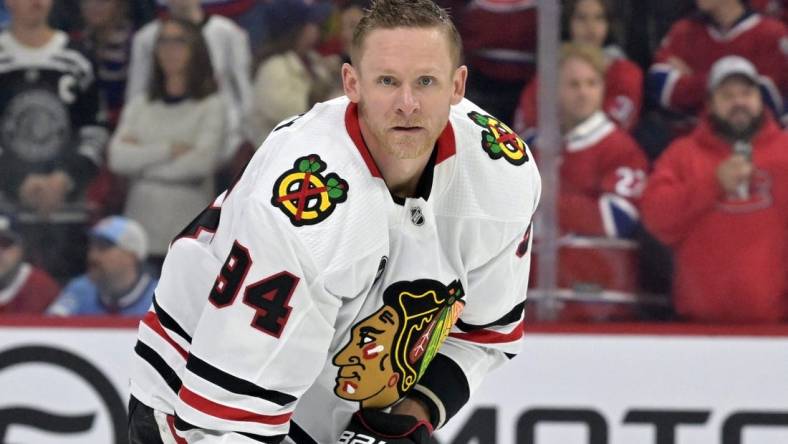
(67, 382)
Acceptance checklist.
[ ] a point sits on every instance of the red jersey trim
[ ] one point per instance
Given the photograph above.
(446, 143)
(229, 413)
(490, 336)
(175, 435)
(152, 321)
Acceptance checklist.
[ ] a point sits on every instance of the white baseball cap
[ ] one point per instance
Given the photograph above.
(731, 66)
(124, 233)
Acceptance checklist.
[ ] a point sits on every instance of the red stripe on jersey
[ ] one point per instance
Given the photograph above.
(171, 424)
(229, 413)
(490, 336)
(152, 321)
(446, 143)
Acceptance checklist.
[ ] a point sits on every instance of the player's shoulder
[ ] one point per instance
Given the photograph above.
(496, 177)
(312, 180)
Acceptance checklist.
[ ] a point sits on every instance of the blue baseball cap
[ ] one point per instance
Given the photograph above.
(124, 233)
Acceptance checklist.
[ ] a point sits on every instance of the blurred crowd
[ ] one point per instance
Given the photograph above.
(121, 120)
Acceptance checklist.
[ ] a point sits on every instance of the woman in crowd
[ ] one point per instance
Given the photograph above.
(168, 140)
(291, 75)
(589, 22)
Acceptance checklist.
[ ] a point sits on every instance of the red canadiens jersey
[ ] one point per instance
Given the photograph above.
(698, 43)
(499, 38)
(623, 95)
(731, 256)
(603, 173)
(30, 292)
(306, 291)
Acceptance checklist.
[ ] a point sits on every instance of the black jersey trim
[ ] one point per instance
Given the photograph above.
(447, 382)
(169, 322)
(514, 315)
(235, 384)
(183, 426)
(299, 435)
(154, 360)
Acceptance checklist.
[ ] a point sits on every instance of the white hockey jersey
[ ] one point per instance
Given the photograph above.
(307, 291)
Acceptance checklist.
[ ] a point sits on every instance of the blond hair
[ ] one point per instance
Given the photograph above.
(390, 14)
(587, 53)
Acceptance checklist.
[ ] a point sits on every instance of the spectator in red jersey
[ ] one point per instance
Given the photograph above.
(24, 289)
(602, 173)
(677, 78)
(589, 22)
(719, 199)
(499, 41)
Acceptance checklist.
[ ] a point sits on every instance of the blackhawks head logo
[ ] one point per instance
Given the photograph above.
(498, 140)
(388, 351)
(305, 195)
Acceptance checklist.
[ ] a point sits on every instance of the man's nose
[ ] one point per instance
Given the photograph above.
(407, 104)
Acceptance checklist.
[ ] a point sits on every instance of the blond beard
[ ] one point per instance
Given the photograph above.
(402, 146)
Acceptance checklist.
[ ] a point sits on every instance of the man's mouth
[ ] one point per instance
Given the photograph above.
(410, 129)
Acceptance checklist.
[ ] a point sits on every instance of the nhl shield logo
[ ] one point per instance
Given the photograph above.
(416, 216)
(498, 140)
(306, 196)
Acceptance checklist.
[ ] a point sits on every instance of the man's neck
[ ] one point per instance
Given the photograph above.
(726, 15)
(32, 36)
(175, 85)
(401, 175)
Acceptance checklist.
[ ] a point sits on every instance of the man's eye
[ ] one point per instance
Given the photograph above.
(425, 81)
(388, 81)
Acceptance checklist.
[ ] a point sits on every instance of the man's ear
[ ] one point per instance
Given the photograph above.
(458, 84)
(350, 82)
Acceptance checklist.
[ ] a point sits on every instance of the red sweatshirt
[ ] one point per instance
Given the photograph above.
(731, 255)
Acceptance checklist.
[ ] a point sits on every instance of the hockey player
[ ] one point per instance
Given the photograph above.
(364, 273)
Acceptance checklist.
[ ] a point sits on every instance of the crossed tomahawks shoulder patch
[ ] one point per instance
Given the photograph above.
(498, 140)
(306, 195)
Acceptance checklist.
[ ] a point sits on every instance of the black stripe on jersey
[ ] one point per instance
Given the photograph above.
(151, 357)
(513, 316)
(299, 435)
(235, 384)
(448, 382)
(510, 355)
(183, 426)
(168, 322)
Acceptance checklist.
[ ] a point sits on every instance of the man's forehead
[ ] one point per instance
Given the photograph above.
(399, 48)
(734, 81)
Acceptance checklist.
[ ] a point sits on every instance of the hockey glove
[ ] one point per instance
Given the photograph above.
(376, 427)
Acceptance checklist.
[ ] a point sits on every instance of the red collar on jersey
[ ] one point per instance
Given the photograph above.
(445, 144)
